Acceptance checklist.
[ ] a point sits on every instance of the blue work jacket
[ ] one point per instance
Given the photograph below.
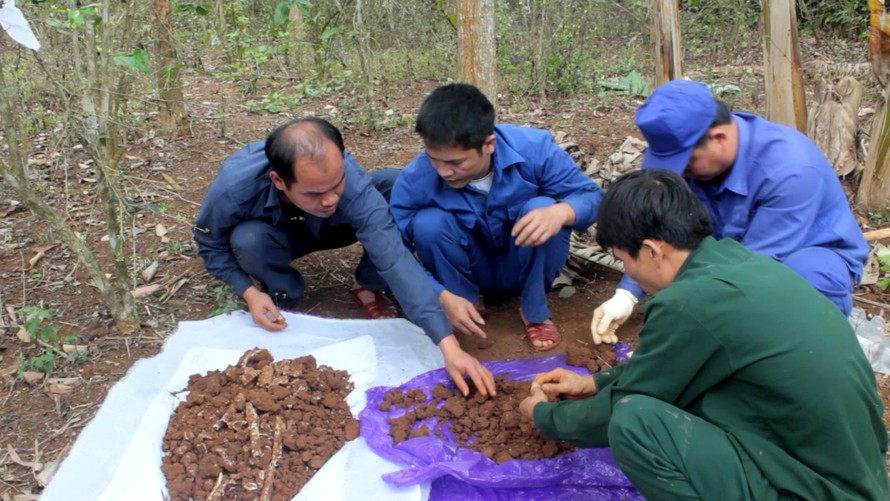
(781, 196)
(244, 191)
(527, 163)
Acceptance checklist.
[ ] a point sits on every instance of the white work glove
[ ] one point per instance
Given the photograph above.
(610, 315)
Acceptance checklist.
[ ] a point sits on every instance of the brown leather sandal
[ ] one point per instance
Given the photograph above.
(378, 308)
(544, 331)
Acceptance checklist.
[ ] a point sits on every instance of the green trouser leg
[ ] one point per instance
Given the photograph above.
(670, 454)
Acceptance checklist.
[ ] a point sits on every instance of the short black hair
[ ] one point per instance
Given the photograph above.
(299, 138)
(655, 204)
(456, 114)
(723, 117)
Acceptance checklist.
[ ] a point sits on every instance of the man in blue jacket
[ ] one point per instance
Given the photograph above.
(765, 185)
(490, 209)
(299, 192)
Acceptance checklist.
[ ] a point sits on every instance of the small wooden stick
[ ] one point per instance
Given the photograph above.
(873, 235)
(873, 303)
(253, 428)
(219, 488)
(269, 474)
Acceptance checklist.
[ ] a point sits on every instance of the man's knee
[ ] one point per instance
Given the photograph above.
(431, 225)
(629, 419)
(535, 203)
(250, 236)
(384, 179)
(827, 272)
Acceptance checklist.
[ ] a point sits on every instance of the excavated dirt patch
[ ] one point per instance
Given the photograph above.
(601, 358)
(493, 427)
(258, 430)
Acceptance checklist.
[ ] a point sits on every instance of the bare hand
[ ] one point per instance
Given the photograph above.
(536, 227)
(464, 317)
(459, 364)
(527, 407)
(263, 310)
(566, 384)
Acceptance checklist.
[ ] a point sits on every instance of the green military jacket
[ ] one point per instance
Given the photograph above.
(745, 343)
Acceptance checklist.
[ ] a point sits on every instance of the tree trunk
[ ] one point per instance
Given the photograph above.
(833, 121)
(366, 58)
(666, 40)
(477, 64)
(297, 33)
(874, 185)
(363, 37)
(85, 66)
(119, 301)
(879, 40)
(785, 98)
(173, 115)
(536, 18)
(106, 149)
(100, 123)
(219, 19)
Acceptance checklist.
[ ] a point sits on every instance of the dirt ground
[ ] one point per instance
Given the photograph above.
(41, 420)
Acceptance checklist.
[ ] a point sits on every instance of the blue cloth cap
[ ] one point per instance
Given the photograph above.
(672, 120)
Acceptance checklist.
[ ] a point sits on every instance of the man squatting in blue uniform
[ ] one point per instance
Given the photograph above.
(489, 209)
(765, 185)
(299, 192)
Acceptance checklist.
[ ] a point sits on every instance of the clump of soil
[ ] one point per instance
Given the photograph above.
(493, 427)
(599, 359)
(257, 430)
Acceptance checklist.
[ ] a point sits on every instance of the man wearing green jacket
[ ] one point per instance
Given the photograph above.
(747, 383)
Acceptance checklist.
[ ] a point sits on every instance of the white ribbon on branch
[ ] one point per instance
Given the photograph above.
(14, 23)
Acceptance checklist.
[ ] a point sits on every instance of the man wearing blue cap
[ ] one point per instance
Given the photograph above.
(765, 185)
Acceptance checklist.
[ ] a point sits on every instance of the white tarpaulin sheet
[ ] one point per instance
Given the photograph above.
(118, 455)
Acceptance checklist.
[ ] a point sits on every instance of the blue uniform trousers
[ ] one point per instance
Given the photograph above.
(467, 264)
(827, 272)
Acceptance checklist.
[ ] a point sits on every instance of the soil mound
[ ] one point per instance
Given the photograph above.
(493, 427)
(257, 430)
(601, 358)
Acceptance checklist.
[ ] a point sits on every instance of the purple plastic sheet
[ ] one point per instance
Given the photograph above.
(622, 352)
(457, 473)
